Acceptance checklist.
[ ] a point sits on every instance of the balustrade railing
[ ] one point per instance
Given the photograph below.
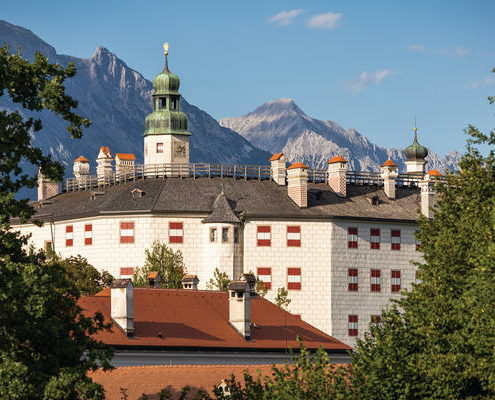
(212, 170)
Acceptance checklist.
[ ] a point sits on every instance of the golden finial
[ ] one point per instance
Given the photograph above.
(165, 48)
(415, 125)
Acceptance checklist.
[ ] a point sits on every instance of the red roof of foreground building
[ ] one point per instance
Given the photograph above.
(336, 159)
(150, 380)
(81, 158)
(200, 319)
(389, 163)
(126, 156)
(297, 165)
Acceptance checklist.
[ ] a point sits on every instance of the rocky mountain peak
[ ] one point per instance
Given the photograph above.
(282, 106)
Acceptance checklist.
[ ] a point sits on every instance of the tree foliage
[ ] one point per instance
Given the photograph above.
(46, 346)
(220, 281)
(282, 299)
(166, 261)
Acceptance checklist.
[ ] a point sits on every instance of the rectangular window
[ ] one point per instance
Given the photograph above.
(375, 319)
(213, 235)
(159, 147)
(352, 242)
(294, 236)
(175, 232)
(127, 232)
(265, 275)
(375, 280)
(294, 278)
(236, 235)
(375, 239)
(69, 235)
(395, 240)
(353, 325)
(48, 246)
(88, 234)
(395, 281)
(126, 273)
(225, 235)
(352, 279)
(263, 235)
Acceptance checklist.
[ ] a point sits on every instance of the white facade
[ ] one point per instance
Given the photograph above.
(320, 264)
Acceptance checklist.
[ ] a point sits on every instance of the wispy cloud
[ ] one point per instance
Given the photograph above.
(416, 47)
(459, 52)
(487, 81)
(366, 79)
(327, 20)
(284, 18)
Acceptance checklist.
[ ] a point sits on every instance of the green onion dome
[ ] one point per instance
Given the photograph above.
(415, 151)
(166, 83)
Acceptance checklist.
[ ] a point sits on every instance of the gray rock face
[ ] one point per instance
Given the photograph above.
(117, 99)
(281, 126)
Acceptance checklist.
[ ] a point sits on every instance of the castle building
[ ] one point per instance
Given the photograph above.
(342, 242)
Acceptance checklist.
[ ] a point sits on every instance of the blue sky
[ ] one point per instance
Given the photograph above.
(372, 66)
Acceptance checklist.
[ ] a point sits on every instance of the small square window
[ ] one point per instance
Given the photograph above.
(375, 239)
(353, 325)
(294, 278)
(352, 238)
(375, 280)
(127, 232)
(175, 232)
(159, 147)
(352, 279)
(294, 236)
(395, 239)
(395, 281)
(225, 235)
(263, 236)
(265, 276)
(213, 235)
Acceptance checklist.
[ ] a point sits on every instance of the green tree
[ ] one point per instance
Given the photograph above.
(282, 299)
(220, 281)
(438, 341)
(166, 261)
(87, 278)
(46, 346)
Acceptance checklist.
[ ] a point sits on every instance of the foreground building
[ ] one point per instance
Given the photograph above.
(342, 242)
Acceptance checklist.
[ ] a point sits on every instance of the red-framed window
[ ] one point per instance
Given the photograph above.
(263, 235)
(375, 239)
(126, 272)
(88, 234)
(175, 232)
(352, 238)
(375, 280)
(395, 239)
(376, 319)
(69, 235)
(265, 275)
(353, 325)
(352, 279)
(294, 278)
(293, 236)
(127, 232)
(395, 281)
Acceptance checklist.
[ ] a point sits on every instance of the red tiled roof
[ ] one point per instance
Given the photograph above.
(152, 379)
(200, 319)
(81, 158)
(389, 163)
(276, 156)
(297, 165)
(106, 151)
(434, 172)
(126, 156)
(336, 159)
(152, 275)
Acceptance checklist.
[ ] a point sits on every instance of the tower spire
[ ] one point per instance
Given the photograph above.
(415, 131)
(165, 48)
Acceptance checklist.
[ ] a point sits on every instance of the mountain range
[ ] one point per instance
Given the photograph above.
(281, 126)
(117, 99)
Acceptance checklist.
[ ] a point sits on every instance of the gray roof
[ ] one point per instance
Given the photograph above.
(249, 199)
(121, 283)
(238, 285)
(222, 211)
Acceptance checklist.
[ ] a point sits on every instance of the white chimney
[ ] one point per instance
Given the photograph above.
(124, 165)
(190, 282)
(278, 162)
(46, 187)
(122, 305)
(428, 193)
(104, 168)
(297, 184)
(239, 308)
(389, 172)
(81, 169)
(337, 175)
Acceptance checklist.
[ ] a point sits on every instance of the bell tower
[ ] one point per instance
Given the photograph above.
(166, 138)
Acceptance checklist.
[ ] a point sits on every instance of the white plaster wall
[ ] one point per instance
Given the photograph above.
(313, 301)
(107, 253)
(152, 157)
(364, 302)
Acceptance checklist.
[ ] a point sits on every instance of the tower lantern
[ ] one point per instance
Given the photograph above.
(166, 136)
